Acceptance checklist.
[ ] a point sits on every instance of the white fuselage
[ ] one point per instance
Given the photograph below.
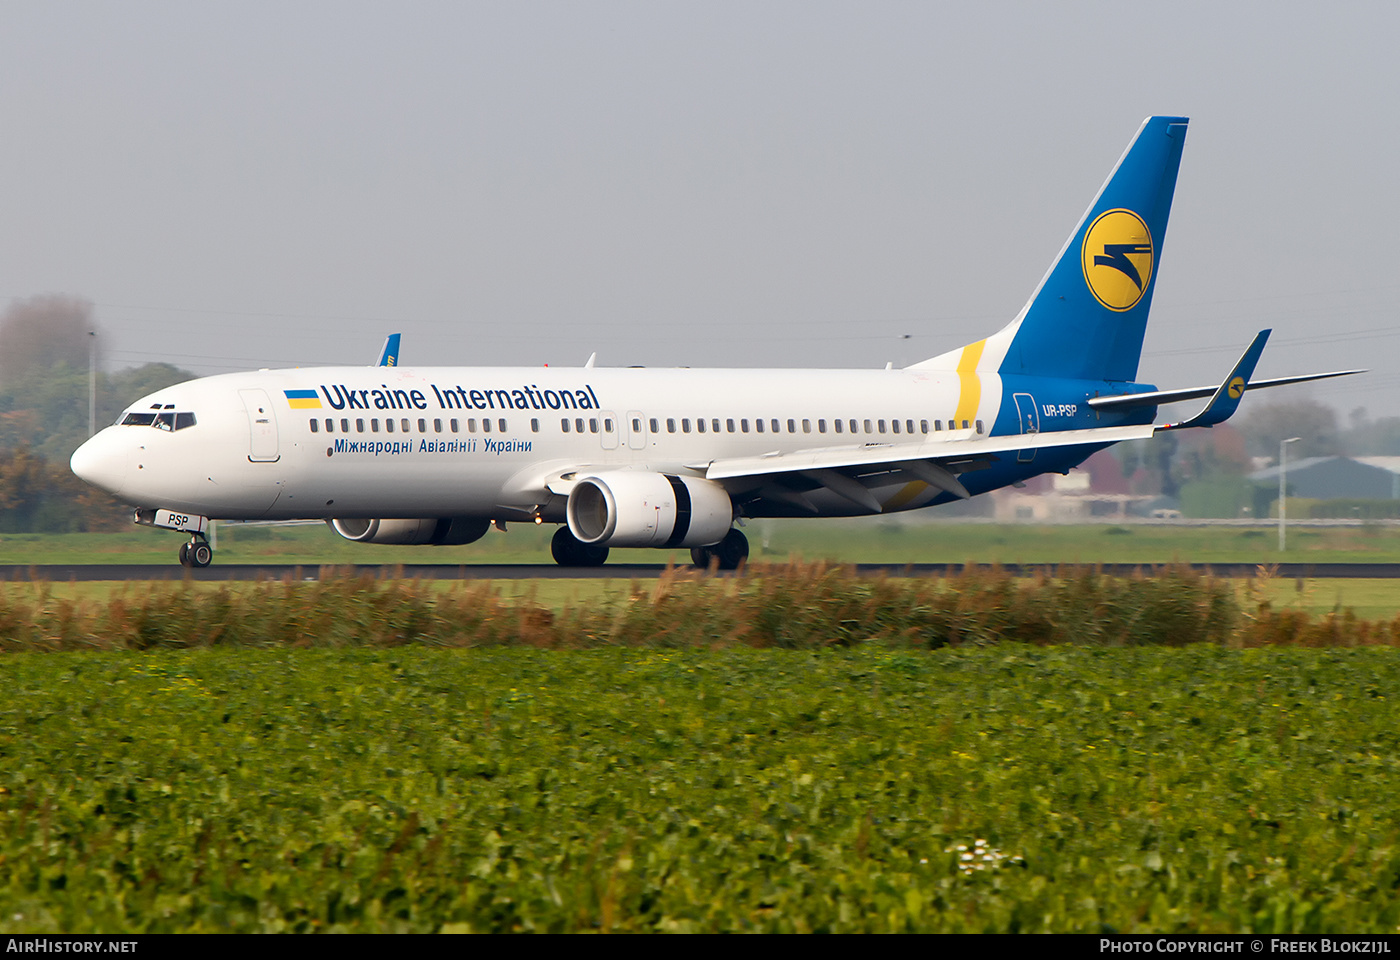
(442, 441)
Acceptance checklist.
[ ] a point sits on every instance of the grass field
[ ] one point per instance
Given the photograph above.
(1193, 789)
(871, 540)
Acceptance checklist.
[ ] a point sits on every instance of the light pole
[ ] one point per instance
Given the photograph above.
(92, 383)
(1283, 487)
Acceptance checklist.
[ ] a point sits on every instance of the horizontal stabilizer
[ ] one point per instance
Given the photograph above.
(1157, 398)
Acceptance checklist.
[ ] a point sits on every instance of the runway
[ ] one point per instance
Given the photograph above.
(131, 573)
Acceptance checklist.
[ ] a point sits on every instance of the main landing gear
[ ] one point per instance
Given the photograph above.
(570, 551)
(197, 552)
(729, 552)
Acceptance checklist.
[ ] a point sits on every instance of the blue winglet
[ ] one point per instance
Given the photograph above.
(389, 356)
(1226, 399)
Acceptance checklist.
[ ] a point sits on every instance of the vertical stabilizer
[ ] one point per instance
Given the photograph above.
(1088, 317)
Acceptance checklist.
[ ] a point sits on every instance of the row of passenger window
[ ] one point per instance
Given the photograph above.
(760, 425)
(591, 425)
(405, 425)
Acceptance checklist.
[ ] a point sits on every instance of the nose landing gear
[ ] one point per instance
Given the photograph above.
(197, 552)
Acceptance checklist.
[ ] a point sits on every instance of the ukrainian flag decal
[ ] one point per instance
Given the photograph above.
(303, 399)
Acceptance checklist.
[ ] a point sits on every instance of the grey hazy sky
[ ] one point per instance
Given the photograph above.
(250, 184)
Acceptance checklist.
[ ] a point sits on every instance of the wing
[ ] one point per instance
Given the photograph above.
(937, 462)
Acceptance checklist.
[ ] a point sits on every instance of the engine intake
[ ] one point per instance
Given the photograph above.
(443, 532)
(633, 509)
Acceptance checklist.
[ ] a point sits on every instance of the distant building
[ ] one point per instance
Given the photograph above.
(1338, 478)
(1095, 489)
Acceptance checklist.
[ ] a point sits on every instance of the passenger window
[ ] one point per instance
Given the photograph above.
(894, 424)
(670, 424)
(374, 425)
(806, 426)
(882, 426)
(403, 424)
(868, 428)
(979, 426)
(837, 424)
(437, 425)
(923, 426)
(792, 426)
(715, 425)
(330, 425)
(744, 425)
(564, 424)
(315, 426)
(908, 426)
(453, 425)
(485, 425)
(501, 426)
(592, 424)
(636, 424)
(344, 426)
(359, 424)
(700, 424)
(685, 424)
(578, 424)
(966, 425)
(534, 425)
(774, 425)
(655, 425)
(758, 425)
(389, 425)
(854, 428)
(730, 424)
(422, 426)
(821, 426)
(471, 425)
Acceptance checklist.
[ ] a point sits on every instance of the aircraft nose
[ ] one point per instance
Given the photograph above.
(101, 462)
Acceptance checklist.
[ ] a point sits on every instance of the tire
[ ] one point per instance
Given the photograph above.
(185, 554)
(701, 557)
(569, 551)
(732, 551)
(200, 554)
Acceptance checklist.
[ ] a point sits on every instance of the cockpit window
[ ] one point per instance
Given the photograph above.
(166, 420)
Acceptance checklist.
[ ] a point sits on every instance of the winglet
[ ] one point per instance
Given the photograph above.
(1226, 399)
(389, 355)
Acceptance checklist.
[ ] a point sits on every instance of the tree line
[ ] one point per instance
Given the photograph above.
(46, 345)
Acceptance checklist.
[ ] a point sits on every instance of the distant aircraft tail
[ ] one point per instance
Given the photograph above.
(1087, 318)
(389, 353)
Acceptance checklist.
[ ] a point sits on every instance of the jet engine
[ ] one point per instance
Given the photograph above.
(444, 531)
(634, 509)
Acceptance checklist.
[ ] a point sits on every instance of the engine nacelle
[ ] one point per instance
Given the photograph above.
(444, 531)
(634, 509)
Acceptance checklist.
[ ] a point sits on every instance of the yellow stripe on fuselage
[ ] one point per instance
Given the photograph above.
(969, 385)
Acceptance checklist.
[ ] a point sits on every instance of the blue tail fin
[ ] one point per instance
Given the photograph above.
(1088, 316)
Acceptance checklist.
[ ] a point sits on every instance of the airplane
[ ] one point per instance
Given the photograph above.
(675, 458)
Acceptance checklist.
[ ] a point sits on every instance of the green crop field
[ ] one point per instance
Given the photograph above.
(865, 789)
